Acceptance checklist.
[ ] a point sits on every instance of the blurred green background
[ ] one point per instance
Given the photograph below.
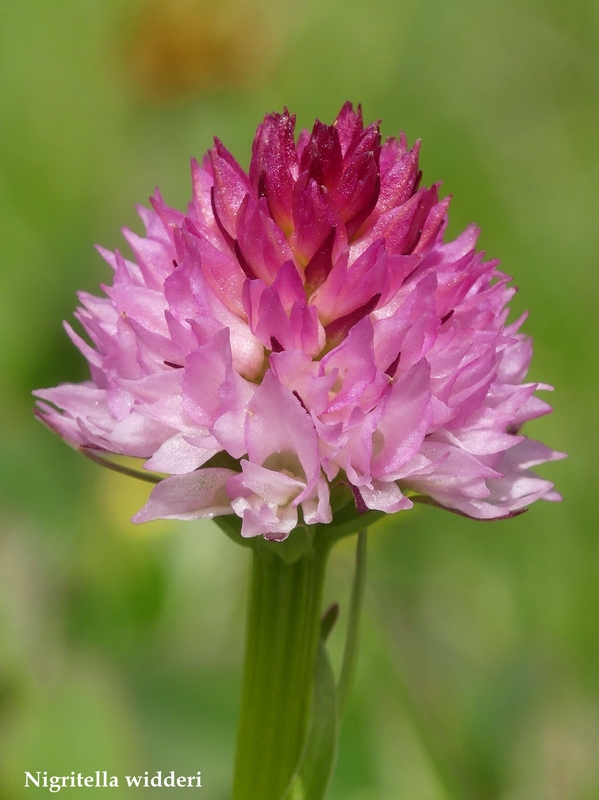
(121, 646)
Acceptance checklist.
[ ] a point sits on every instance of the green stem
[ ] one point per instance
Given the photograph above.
(282, 635)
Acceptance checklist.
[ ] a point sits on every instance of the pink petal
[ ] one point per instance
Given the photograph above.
(196, 495)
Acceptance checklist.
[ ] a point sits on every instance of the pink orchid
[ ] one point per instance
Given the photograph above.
(304, 327)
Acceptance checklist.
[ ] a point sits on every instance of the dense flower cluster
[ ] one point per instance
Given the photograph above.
(304, 326)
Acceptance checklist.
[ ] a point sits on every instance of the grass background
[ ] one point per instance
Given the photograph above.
(121, 646)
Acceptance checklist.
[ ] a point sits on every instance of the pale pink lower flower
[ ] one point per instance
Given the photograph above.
(304, 327)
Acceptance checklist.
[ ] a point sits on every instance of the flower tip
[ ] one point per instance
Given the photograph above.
(516, 513)
(156, 198)
(347, 109)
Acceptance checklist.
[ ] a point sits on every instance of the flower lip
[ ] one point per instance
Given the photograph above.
(305, 324)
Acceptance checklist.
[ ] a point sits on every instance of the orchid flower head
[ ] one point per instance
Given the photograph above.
(302, 329)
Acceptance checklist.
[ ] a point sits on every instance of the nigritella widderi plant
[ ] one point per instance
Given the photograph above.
(296, 356)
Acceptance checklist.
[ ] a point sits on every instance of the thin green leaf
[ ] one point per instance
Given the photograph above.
(314, 771)
(352, 639)
(328, 621)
